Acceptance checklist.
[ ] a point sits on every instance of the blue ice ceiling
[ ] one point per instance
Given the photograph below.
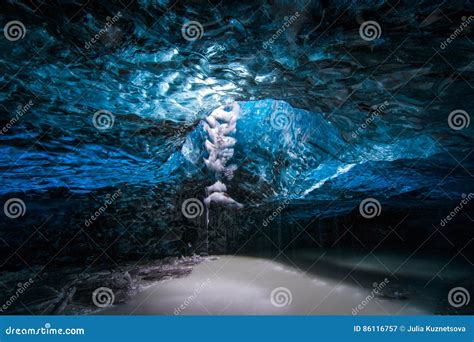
(324, 112)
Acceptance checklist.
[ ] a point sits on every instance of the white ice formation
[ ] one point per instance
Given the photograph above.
(220, 146)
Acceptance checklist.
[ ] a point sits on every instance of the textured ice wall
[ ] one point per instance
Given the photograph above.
(283, 151)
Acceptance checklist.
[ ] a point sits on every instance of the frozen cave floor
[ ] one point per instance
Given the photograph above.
(332, 282)
(314, 282)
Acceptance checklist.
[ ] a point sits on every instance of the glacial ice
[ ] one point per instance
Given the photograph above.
(223, 120)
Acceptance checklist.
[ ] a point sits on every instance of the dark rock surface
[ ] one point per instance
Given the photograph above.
(70, 290)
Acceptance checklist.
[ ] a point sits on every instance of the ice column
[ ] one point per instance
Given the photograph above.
(219, 125)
